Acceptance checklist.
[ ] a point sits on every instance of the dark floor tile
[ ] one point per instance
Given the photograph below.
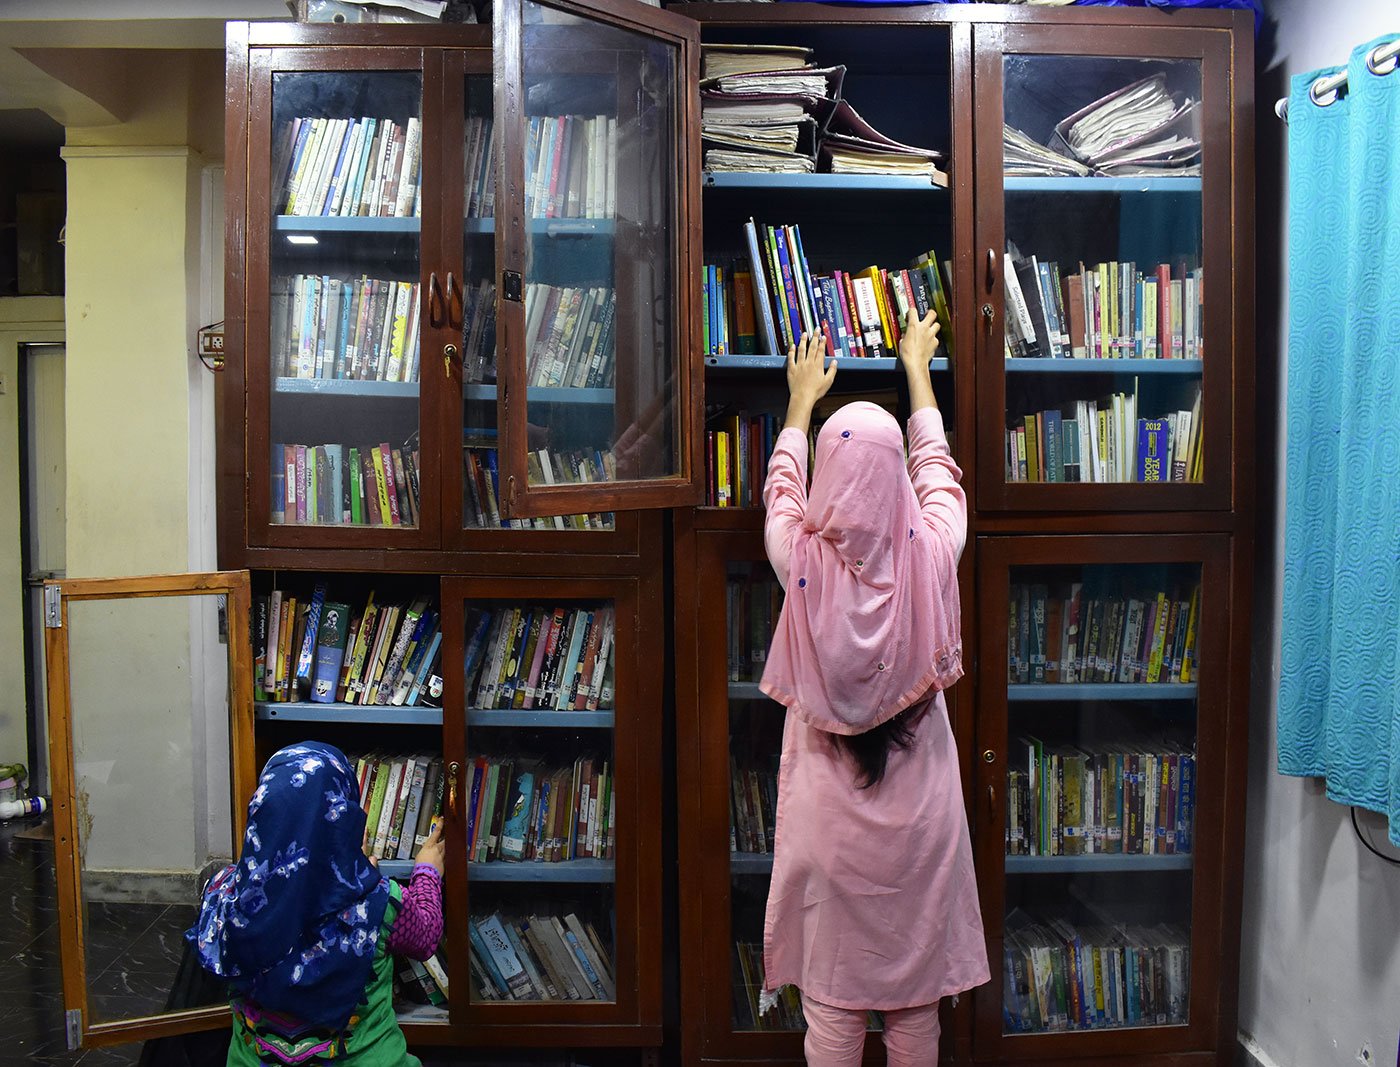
(111, 929)
(160, 948)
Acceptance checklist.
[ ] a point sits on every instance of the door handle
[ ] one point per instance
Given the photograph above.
(435, 304)
(452, 769)
(452, 294)
(992, 262)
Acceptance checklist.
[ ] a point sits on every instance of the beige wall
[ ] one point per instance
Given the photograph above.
(22, 320)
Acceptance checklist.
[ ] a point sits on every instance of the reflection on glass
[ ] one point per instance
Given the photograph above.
(1103, 267)
(601, 347)
(149, 685)
(541, 800)
(1100, 796)
(345, 298)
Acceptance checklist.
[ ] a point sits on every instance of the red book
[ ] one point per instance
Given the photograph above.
(1165, 349)
(391, 487)
(848, 298)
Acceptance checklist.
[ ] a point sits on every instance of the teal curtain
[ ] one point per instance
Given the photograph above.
(1339, 686)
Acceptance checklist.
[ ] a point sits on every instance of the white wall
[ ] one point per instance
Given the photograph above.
(1320, 964)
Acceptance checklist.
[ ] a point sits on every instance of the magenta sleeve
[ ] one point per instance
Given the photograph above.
(418, 928)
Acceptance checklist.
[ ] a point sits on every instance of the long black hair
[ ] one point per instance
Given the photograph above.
(871, 750)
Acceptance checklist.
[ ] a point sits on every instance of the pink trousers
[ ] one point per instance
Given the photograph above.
(836, 1036)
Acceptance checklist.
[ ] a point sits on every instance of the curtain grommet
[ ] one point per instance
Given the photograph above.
(1373, 63)
(1331, 95)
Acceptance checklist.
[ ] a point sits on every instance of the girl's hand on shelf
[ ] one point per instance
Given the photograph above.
(432, 851)
(809, 378)
(920, 340)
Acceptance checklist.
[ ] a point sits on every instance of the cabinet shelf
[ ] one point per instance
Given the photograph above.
(1043, 691)
(750, 863)
(1097, 862)
(570, 871)
(822, 182)
(746, 690)
(1102, 185)
(422, 1014)
(1181, 367)
(937, 366)
(536, 394)
(550, 227)
(566, 720)
(346, 387)
(335, 224)
(306, 711)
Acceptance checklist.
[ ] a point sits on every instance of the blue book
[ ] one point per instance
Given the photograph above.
(336, 492)
(487, 961)
(338, 175)
(330, 652)
(762, 299)
(517, 823)
(1052, 315)
(350, 203)
(1054, 459)
(306, 657)
(789, 282)
(347, 298)
(425, 665)
(303, 135)
(805, 274)
(494, 471)
(278, 490)
(1152, 449)
(1187, 778)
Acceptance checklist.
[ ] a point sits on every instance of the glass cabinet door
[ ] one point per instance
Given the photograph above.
(546, 801)
(594, 199)
(1106, 272)
(337, 163)
(1104, 720)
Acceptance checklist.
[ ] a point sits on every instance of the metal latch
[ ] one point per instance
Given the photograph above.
(512, 288)
(73, 1023)
(53, 607)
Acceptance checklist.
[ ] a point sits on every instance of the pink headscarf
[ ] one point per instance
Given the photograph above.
(871, 622)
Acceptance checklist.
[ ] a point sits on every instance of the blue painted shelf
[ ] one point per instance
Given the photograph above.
(937, 366)
(1101, 691)
(814, 182)
(396, 868)
(338, 225)
(535, 394)
(1102, 185)
(1096, 863)
(564, 720)
(577, 871)
(746, 691)
(750, 863)
(382, 715)
(550, 227)
(347, 387)
(1182, 367)
(422, 1014)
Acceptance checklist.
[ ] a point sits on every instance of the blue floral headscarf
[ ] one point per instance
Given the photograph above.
(293, 925)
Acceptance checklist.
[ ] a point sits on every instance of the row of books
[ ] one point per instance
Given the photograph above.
(483, 496)
(570, 335)
(570, 167)
(1106, 441)
(1057, 976)
(539, 957)
(752, 607)
(753, 806)
(527, 656)
(339, 485)
(1110, 310)
(1096, 631)
(861, 314)
(523, 810)
(1128, 798)
(384, 652)
(737, 451)
(364, 329)
(360, 167)
(727, 319)
(422, 982)
(786, 1013)
(479, 332)
(402, 798)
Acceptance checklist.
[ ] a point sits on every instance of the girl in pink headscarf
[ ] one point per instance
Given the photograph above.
(873, 904)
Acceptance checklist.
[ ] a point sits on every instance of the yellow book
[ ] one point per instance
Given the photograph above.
(1159, 639)
(740, 474)
(381, 486)
(1115, 314)
(284, 652)
(1105, 300)
(882, 305)
(1103, 446)
(722, 468)
(1188, 656)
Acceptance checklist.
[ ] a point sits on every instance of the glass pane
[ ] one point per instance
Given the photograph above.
(1102, 269)
(1101, 791)
(344, 305)
(753, 599)
(539, 782)
(601, 347)
(481, 474)
(149, 685)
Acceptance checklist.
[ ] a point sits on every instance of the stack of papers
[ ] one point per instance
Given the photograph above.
(729, 159)
(720, 60)
(852, 146)
(1140, 129)
(1026, 158)
(814, 82)
(756, 107)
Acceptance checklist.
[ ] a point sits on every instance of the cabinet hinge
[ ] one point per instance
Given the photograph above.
(512, 287)
(53, 607)
(510, 493)
(73, 1023)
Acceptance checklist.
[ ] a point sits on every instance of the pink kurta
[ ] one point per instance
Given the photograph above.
(873, 902)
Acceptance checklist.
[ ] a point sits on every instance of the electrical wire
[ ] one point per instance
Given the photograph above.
(1370, 847)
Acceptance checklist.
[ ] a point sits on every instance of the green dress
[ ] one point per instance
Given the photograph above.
(372, 1038)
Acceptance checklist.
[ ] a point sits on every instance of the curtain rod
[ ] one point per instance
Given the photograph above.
(1333, 83)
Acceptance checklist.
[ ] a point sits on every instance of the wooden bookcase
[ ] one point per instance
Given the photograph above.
(948, 77)
(942, 76)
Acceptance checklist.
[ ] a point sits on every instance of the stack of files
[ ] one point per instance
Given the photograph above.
(542, 957)
(1026, 158)
(757, 107)
(850, 145)
(1139, 129)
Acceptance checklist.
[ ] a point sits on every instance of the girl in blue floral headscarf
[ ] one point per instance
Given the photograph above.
(302, 927)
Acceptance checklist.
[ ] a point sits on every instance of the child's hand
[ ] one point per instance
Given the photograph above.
(808, 376)
(432, 851)
(920, 340)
